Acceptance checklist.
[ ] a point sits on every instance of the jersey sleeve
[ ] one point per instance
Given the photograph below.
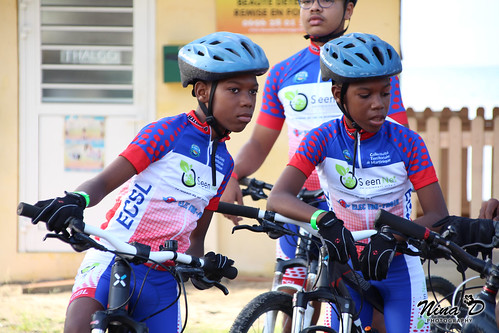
(420, 168)
(272, 112)
(312, 150)
(153, 142)
(397, 109)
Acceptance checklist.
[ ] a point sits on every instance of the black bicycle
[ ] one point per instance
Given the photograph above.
(117, 316)
(475, 313)
(439, 289)
(276, 311)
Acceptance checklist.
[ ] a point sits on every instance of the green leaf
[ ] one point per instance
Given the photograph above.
(289, 95)
(185, 166)
(341, 170)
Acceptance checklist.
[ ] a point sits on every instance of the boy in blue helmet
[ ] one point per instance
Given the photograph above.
(365, 162)
(161, 199)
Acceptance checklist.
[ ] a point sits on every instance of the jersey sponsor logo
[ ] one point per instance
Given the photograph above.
(132, 205)
(378, 182)
(188, 175)
(195, 151)
(185, 205)
(300, 77)
(297, 101)
(369, 206)
(347, 179)
(379, 158)
(347, 155)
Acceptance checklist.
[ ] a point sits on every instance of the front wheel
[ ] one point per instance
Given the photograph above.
(269, 312)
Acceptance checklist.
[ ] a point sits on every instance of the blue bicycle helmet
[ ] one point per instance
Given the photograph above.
(220, 55)
(358, 56)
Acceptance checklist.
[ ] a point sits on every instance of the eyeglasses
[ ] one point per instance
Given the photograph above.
(307, 4)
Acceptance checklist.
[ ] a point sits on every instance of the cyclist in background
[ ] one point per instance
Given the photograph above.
(174, 173)
(365, 162)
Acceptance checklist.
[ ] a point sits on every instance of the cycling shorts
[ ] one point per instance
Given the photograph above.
(158, 290)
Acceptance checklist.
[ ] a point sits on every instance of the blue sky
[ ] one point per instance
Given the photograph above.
(450, 52)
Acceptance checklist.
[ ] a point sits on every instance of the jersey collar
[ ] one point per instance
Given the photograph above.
(201, 126)
(314, 48)
(351, 131)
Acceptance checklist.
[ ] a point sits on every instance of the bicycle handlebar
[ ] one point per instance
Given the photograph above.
(124, 248)
(419, 232)
(256, 213)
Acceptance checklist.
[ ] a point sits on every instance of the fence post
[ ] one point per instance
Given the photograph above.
(455, 172)
(477, 144)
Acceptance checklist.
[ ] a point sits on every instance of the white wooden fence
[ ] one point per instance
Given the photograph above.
(449, 136)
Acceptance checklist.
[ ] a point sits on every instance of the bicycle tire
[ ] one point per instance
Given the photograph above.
(252, 316)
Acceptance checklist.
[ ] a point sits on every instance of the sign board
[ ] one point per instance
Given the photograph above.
(258, 16)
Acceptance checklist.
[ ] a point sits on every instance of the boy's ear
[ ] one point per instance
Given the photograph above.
(202, 91)
(348, 11)
(336, 90)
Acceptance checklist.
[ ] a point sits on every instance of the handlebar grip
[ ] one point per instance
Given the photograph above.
(27, 210)
(239, 210)
(401, 224)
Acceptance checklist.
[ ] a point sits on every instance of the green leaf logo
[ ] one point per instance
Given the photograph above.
(189, 175)
(346, 177)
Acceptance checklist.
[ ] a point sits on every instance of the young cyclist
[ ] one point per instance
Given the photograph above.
(296, 94)
(365, 162)
(174, 171)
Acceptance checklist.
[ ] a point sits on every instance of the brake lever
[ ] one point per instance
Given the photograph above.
(221, 287)
(254, 228)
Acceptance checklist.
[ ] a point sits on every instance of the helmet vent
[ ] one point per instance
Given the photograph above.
(234, 52)
(379, 55)
(215, 57)
(215, 42)
(200, 53)
(248, 48)
(346, 62)
(362, 56)
(349, 46)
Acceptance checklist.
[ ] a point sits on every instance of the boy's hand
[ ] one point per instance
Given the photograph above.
(57, 211)
(216, 267)
(490, 210)
(474, 235)
(339, 240)
(376, 256)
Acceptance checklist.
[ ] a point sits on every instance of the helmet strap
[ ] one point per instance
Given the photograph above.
(210, 120)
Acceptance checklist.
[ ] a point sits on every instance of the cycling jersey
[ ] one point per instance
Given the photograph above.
(389, 164)
(163, 201)
(173, 186)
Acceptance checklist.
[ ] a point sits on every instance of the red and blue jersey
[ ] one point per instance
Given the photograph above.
(173, 185)
(389, 164)
(294, 92)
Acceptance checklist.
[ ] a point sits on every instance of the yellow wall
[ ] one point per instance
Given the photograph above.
(171, 99)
